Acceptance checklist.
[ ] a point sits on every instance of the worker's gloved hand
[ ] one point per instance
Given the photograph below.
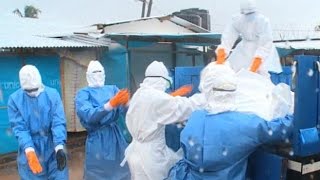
(221, 56)
(61, 159)
(33, 162)
(182, 91)
(256, 63)
(121, 98)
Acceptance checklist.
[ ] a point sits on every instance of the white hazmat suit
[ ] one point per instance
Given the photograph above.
(257, 41)
(150, 110)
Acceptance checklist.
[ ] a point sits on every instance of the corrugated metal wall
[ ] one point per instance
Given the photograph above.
(73, 77)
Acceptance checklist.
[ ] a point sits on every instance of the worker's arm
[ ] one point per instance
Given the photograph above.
(265, 41)
(86, 112)
(106, 112)
(123, 104)
(19, 126)
(265, 44)
(170, 109)
(276, 130)
(229, 36)
(182, 91)
(58, 126)
(20, 130)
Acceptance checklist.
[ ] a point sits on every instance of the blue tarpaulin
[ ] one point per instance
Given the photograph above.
(9, 81)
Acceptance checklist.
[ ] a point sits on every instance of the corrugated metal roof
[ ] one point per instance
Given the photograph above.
(81, 38)
(31, 41)
(174, 19)
(307, 45)
(16, 32)
(34, 33)
(188, 25)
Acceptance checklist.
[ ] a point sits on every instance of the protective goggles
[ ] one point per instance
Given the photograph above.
(226, 90)
(170, 83)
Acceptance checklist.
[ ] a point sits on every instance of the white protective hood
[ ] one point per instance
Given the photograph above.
(248, 6)
(157, 76)
(30, 80)
(95, 74)
(218, 83)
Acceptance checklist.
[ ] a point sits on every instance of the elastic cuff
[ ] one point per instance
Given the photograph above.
(257, 56)
(29, 149)
(226, 50)
(58, 147)
(107, 106)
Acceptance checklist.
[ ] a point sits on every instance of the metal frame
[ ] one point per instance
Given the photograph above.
(304, 168)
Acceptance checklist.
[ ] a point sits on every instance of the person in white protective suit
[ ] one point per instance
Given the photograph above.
(256, 50)
(151, 108)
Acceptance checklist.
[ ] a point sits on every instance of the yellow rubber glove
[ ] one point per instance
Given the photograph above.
(33, 162)
(221, 56)
(121, 98)
(256, 63)
(182, 91)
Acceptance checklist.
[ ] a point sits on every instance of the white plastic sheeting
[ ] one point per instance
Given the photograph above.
(256, 94)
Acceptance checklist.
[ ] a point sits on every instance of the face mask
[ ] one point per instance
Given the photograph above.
(30, 80)
(220, 101)
(33, 92)
(250, 17)
(96, 79)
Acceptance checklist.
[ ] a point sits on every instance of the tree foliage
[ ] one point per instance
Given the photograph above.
(29, 12)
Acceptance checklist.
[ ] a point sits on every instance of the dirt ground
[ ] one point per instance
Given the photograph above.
(9, 171)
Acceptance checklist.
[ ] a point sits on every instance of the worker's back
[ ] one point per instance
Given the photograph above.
(216, 146)
(140, 119)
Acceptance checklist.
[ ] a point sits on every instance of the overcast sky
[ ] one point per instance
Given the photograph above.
(298, 13)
